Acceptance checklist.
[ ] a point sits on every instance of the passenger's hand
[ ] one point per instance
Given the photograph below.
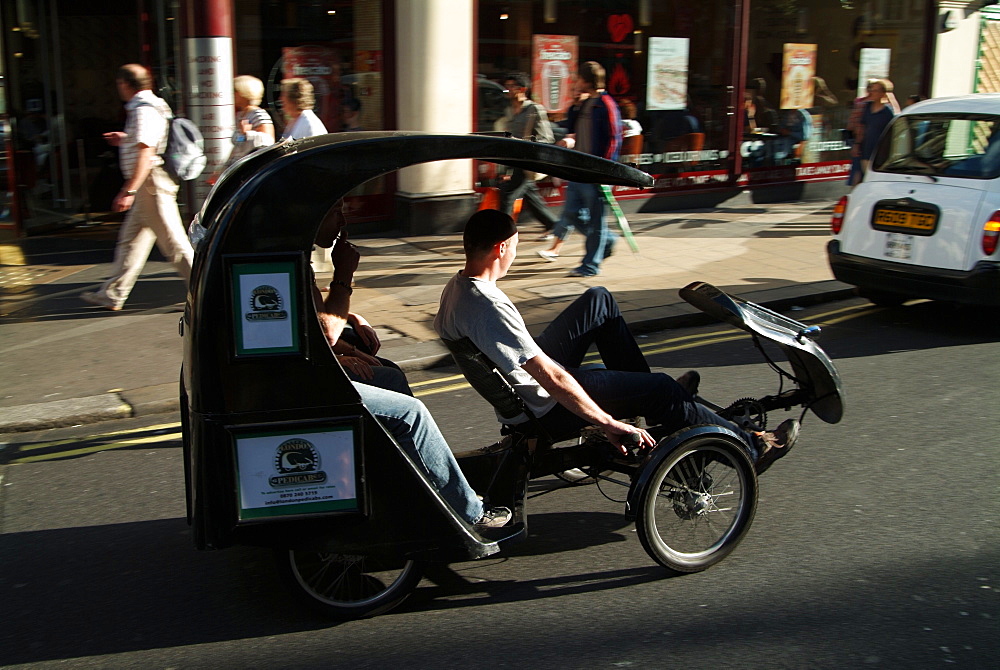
(365, 332)
(358, 365)
(623, 436)
(345, 259)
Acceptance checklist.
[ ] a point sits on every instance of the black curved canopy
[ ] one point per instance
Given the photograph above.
(276, 198)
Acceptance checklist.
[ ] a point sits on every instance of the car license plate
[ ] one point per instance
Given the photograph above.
(899, 246)
(922, 221)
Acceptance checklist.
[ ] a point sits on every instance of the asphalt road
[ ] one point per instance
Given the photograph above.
(876, 542)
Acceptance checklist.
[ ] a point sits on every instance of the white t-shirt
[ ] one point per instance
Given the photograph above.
(146, 123)
(307, 125)
(477, 309)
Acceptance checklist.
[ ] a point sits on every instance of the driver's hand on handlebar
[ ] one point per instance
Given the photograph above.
(623, 436)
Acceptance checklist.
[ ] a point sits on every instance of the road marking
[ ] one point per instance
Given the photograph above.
(101, 447)
(91, 438)
(96, 448)
(437, 381)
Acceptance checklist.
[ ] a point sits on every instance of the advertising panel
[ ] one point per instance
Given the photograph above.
(874, 65)
(552, 64)
(798, 72)
(321, 66)
(667, 73)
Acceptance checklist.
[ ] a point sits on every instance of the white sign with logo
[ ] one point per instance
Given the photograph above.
(266, 308)
(874, 65)
(305, 472)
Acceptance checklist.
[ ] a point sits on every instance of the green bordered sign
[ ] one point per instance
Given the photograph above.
(305, 472)
(266, 309)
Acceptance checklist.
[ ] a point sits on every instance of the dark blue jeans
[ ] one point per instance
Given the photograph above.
(626, 388)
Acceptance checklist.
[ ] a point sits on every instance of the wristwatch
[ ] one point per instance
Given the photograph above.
(132, 192)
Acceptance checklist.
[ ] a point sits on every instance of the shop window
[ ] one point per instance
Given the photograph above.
(807, 63)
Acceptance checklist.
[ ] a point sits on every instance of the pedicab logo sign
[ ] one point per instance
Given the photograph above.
(305, 472)
(266, 315)
(297, 461)
(265, 304)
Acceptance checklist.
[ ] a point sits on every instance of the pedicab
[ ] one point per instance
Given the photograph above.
(280, 452)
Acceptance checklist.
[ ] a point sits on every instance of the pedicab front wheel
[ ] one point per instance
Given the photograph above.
(699, 503)
(347, 586)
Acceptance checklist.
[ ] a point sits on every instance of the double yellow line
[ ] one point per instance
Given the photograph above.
(50, 451)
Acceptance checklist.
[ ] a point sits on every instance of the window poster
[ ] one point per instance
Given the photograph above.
(266, 309)
(798, 72)
(874, 65)
(304, 472)
(667, 73)
(553, 62)
(321, 65)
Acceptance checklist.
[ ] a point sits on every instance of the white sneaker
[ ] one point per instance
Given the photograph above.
(550, 256)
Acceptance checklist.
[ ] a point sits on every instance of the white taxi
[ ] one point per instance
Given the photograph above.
(925, 221)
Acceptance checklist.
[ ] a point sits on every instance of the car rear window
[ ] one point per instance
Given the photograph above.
(945, 145)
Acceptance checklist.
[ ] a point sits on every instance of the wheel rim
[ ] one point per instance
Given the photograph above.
(344, 580)
(700, 504)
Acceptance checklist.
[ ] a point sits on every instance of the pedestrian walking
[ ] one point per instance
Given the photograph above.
(596, 128)
(529, 120)
(254, 128)
(149, 194)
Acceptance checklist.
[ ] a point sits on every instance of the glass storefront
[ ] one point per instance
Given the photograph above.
(727, 93)
(338, 46)
(806, 63)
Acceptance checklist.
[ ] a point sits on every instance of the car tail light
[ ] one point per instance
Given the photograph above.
(991, 232)
(837, 220)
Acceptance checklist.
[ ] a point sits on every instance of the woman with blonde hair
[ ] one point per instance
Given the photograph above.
(297, 101)
(254, 127)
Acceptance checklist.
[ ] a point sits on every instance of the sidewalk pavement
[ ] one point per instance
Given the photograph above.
(770, 254)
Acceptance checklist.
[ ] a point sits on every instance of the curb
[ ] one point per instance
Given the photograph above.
(409, 355)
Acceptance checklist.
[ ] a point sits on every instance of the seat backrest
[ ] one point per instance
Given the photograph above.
(484, 377)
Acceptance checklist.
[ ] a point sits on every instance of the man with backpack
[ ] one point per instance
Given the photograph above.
(149, 194)
(528, 118)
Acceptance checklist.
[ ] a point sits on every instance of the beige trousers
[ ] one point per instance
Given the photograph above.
(154, 217)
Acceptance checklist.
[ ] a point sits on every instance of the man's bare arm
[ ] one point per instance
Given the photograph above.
(567, 392)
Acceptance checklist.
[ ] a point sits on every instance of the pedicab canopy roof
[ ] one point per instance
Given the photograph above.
(276, 198)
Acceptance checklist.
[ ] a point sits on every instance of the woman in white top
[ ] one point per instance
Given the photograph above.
(297, 102)
(254, 127)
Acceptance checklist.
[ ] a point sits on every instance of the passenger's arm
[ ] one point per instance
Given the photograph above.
(562, 386)
(334, 310)
(365, 331)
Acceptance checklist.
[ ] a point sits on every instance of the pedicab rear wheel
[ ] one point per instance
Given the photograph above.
(347, 586)
(699, 503)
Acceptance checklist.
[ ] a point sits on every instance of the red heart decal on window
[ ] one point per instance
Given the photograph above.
(619, 26)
